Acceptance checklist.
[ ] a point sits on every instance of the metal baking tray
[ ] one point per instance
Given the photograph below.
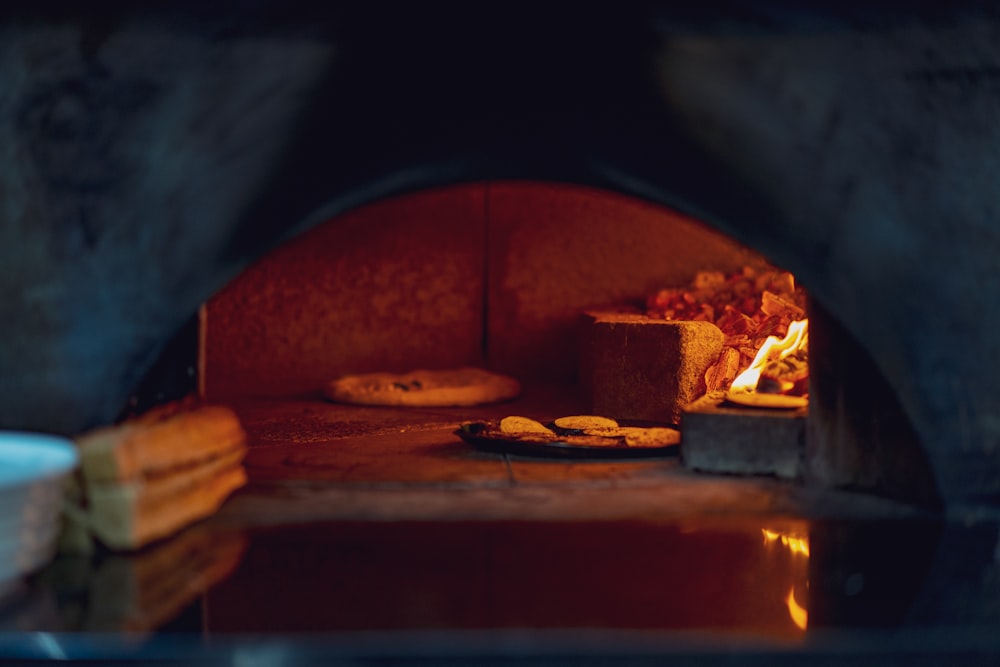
(486, 437)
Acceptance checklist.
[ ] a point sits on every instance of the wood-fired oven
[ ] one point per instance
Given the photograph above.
(852, 153)
(265, 197)
(498, 274)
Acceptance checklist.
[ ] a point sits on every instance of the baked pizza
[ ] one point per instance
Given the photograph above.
(424, 388)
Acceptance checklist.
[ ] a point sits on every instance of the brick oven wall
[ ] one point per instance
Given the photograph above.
(492, 274)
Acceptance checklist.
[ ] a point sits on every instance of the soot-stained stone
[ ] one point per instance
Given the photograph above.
(742, 441)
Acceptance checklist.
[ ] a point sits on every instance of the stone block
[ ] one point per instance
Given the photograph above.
(633, 367)
(739, 440)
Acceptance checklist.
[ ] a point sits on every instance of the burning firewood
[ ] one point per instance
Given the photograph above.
(723, 372)
(748, 307)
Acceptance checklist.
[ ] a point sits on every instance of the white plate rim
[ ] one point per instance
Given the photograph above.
(41, 456)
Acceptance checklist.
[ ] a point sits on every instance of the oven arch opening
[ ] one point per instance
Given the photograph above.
(496, 274)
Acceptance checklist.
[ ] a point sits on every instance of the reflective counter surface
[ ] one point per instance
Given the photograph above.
(706, 588)
(378, 537)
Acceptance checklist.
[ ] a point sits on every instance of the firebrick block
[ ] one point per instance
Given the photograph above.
(634, 367)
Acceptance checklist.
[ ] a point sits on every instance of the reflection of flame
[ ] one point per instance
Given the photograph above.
(797, 545)
(772, 350)
(799, 615)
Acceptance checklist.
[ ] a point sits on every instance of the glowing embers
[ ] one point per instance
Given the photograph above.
(760, 313)
(797, 548)
(781, 365)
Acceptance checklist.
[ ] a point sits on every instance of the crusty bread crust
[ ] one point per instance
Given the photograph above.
(128, 516)
(424, 388)
(133, 451)
(151, 476)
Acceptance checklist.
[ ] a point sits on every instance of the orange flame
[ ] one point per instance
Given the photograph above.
(772, 349)
(797, 545)
(800, 617)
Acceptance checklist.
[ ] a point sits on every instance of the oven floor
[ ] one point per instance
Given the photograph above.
(311, 460)
(378, 534)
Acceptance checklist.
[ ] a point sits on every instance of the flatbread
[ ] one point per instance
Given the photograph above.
(523, 425)
(652, 437)
(584, 422)
(525, 430)
(424, 388)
